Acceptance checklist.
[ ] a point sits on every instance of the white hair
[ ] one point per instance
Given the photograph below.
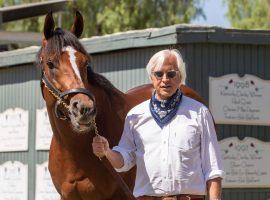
(157, 60)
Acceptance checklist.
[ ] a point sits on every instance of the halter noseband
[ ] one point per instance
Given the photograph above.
(60, 95)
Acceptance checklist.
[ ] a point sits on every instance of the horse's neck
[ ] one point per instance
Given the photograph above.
(111, 112)
(65, 137)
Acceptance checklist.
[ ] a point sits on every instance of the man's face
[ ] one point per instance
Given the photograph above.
(166, 80)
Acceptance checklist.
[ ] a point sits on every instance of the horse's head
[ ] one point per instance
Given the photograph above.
(64, 64)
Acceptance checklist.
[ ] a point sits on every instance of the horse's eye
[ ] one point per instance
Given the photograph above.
(50, 64)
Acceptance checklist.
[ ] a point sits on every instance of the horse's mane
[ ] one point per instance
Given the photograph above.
(61, 38)
(101, 81)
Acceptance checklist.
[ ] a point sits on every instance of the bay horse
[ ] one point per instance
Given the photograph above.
(76, 98)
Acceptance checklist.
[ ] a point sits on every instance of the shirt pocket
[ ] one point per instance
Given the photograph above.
(186, 138)
(186, 150)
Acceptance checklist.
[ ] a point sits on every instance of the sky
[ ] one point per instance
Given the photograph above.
(215, 12)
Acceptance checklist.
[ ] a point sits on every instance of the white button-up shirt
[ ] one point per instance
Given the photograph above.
(176, 159)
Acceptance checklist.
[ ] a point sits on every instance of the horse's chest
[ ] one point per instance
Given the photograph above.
(84, 186)
(81, 190)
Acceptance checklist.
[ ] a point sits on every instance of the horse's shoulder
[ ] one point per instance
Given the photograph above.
(189, 92)
(138, 94)
(142, 88)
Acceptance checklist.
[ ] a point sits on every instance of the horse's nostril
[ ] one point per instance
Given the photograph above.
(75, 104)
(79, 109)
(91, 110)
(87, 110)
(83, 110)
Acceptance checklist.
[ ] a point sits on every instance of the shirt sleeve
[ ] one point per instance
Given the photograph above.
(126, 147)
(212, 164)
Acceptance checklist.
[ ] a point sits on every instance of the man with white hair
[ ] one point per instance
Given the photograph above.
(170, 138)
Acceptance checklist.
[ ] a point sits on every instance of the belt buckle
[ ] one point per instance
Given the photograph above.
(169, 198)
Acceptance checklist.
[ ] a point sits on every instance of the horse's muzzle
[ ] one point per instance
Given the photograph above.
(82, 110)
(82, 114)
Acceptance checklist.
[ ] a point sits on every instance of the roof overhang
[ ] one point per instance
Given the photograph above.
(12, 13)
(28, 38)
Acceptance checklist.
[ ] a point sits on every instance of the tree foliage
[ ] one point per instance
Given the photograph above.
(249, 14)
(109, 16)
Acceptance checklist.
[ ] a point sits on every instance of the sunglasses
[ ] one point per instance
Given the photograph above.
(170, 74)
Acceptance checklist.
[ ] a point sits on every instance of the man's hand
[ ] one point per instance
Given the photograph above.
(100, 146)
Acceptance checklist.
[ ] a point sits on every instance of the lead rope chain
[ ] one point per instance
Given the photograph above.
(93, 122)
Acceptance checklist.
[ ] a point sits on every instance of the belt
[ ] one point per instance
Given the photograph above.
(175, 197)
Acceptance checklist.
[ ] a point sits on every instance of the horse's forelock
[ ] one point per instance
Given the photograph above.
(61, 39)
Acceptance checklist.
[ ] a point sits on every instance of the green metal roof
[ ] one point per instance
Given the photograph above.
(19, 56)
(170, 35)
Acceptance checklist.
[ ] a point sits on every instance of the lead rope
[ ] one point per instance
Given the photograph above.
(93, 122)
(112, 171)
(56, 96)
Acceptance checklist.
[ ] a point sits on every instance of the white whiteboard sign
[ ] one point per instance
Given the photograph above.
(45, 189)
(14, 130)
(236, 100)
(43, 130)
(246, 163)
(13, 181)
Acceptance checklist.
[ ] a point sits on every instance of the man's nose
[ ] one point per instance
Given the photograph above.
(165, 77)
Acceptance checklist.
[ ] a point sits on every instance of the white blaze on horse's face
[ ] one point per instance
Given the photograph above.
(72, 58)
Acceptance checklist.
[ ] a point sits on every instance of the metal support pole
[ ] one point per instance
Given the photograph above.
(1, 21)
(59, 21)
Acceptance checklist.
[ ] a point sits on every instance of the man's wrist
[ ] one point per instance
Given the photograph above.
(108, 153)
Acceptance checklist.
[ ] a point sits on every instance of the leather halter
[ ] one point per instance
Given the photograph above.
(60, 96)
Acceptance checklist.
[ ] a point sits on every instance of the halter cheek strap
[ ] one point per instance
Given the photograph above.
(60, 95)
(50, 86)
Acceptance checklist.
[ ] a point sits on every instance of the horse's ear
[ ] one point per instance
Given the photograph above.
(48, 26)
(77, 27)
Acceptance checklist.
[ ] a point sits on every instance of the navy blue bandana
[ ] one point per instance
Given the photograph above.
(164, 110)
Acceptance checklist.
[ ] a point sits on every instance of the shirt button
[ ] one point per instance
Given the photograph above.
(164, 142)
